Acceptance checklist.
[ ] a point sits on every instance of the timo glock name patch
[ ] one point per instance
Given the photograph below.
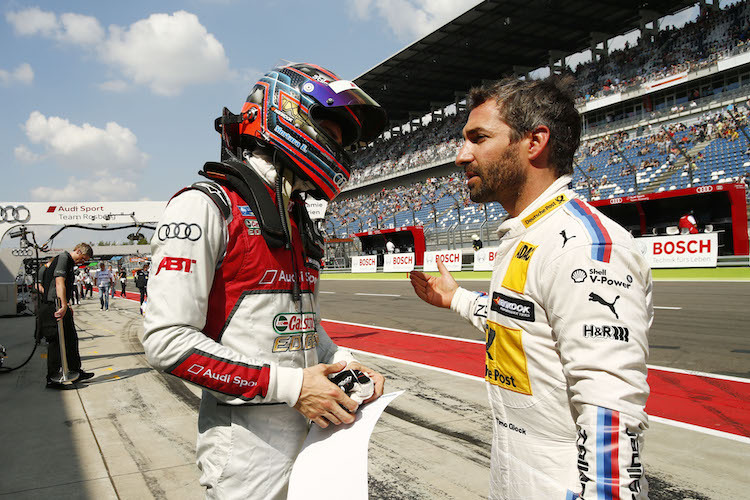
(513, 308)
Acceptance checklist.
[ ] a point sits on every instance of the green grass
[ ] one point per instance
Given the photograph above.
(719, 273)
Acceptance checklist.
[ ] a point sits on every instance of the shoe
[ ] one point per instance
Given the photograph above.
(55, 385)
(84, 375)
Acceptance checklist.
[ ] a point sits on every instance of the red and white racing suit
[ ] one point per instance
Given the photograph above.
(221, 315)
(566, 323)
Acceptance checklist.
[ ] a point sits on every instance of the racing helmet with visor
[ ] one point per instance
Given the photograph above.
(298, 109)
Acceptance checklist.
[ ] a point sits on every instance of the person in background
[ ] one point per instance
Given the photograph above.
(57, 283)
(104, 281)
(476, 243)
(390, 247)
(123, 275)
(113, 288)
(141, 282)
(688, 224)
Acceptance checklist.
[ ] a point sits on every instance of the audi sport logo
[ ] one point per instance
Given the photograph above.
(15, 214)
(179, 231)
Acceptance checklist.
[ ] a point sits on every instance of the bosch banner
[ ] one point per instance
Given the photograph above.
(683, 250)
(450, 258)
(365, 264)
(484, 259)
(398, 262)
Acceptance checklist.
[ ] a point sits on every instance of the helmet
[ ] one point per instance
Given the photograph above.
(474, 236)
(285, 109)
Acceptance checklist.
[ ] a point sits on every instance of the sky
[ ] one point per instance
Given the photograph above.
(104, 101)
(116, 100)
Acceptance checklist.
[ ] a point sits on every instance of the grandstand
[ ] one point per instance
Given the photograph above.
(667, 113)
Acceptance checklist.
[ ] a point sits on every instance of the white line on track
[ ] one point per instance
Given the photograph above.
(701, 374)
(323, 291)
(668, 307)
(379, 294)
(661, 420)
(406, 331)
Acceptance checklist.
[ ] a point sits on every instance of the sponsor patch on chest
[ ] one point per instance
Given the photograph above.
(519, 309)
(515, 275)
(505, 360)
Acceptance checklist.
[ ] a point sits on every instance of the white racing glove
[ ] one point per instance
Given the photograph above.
(354, 383)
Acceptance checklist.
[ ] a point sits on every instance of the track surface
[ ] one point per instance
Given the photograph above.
(433, 442)
(709, 333)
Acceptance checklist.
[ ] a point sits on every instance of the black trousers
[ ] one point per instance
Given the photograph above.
(123, 287)
(143, 294)
(76, 298)
(48, 324)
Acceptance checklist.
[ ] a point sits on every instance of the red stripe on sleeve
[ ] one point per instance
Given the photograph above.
(234, 379)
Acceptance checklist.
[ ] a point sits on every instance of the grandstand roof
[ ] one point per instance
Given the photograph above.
(487, 41)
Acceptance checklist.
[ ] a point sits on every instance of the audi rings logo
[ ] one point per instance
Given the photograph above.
(22, 252)
(15, 214)
(704, 189)
(180, 231)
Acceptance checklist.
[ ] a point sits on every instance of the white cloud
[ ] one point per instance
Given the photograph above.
(410, 19)
(25, 155)
(165, 52)
(33, 21)
(81, 30)
(69, 28)
(86, 189)
(97, 151)
(107, 160)
(114, 86)
(21, 74)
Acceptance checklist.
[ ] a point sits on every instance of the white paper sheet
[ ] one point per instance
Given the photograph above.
(333, 461)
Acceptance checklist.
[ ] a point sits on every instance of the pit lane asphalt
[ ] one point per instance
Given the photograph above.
(129, 432)
(710, 332)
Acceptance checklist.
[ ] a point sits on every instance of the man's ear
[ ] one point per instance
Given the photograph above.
(538, 142)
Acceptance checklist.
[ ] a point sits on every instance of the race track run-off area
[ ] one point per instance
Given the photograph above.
(703, 400)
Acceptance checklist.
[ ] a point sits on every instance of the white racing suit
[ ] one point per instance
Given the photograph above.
(222, 316)
(566, 322)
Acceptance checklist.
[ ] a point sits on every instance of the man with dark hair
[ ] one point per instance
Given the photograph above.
(567, 317)
(57, 282)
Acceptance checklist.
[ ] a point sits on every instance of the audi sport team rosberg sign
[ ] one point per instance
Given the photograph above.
(683, 250)
(56, 213)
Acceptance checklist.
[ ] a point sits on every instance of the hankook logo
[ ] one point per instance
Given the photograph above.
(513, 308)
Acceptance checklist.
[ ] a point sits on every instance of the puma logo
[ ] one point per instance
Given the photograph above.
(596, 298)
(565, 237)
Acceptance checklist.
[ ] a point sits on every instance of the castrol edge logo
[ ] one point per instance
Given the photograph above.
(291, 323)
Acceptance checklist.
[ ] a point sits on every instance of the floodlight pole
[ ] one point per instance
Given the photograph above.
(683, 153)
(627, 162)
(588, 182)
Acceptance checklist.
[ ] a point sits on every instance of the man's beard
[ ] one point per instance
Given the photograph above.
(500, 181)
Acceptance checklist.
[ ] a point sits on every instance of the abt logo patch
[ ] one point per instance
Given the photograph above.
(620, 333)
(513, 308)
(175, 264)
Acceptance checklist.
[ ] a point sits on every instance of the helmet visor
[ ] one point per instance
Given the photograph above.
(367, 114)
